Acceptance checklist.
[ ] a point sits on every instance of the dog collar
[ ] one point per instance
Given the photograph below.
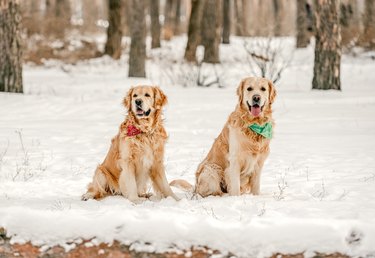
(264, 130)
(131, 130)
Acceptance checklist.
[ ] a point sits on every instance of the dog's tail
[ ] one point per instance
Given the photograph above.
(183, 185)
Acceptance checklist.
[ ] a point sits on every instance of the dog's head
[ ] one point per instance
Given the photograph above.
(256, 95)
(143, 101)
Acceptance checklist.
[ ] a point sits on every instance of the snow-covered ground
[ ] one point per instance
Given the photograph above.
(317, 189)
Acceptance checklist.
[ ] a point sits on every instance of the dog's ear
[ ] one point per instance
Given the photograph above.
(128, 98)
(272, 92)
(240, 91)
(160, 98)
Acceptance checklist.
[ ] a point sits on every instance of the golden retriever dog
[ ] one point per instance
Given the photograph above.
(137, 152)
(235, 161)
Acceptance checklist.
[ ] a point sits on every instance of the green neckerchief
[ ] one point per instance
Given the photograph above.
(264, 130)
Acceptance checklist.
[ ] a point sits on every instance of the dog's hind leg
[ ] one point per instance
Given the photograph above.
(208, 180)
(97, 189)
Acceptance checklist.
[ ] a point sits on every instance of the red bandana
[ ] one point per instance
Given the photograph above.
(132, 131)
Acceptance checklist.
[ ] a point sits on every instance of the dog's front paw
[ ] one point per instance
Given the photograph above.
(87, 196)
(137, 200)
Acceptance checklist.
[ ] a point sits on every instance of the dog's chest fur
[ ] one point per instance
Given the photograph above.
(246, 150)
(139, 149)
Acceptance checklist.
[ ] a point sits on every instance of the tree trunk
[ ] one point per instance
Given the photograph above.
(114, 31)
(90, 15)
(194, 37)
(62, 18)
(277, 17)
(168, 20)
(327, 45)
(137, 55)
(155, 23)
(303, 35)
(10, 47)
(177, 17)
(226, 21)
(239, 18)
(368, 37)
(211, 31)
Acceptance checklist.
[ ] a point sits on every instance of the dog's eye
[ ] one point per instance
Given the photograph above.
(135, 95)
(249, 89)
(147, 95)
(263, 89)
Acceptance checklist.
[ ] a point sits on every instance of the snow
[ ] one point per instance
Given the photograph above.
(317, 187)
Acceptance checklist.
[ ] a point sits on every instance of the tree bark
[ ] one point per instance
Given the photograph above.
(10, 47)
(226, 21)
(194, 35)
(327, 45)
(62, 18)
(277, 16)
(211, 31)
(155, 23)
(177, 17)
(239, 18)
(137, 55)
(303, 35)
(114, 31)
(368, 37)
(168, 22)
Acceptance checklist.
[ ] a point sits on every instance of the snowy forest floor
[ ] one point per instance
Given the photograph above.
(317, 187)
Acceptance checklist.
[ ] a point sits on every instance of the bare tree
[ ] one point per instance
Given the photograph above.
(267, 57)
(172, 18)
(211, 31)
(62, 17)
(304, 27)
(368, 37)
(137, 55)
(114, 30)
(239, 18)
(155, 23)
(327, 45)
(10, 47)
(194, 36)
(226, 21)
(277, 16)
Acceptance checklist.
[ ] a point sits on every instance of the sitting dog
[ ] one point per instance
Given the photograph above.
(236, 158)
(137, 151)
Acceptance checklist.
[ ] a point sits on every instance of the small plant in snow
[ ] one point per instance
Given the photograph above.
(321, 192)
(267, 57)
(282, 185)
(25, 168)
(3, 153)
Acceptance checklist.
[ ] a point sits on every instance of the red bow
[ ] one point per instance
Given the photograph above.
(132, 131)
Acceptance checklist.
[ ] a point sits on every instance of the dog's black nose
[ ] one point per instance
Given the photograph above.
(256, 99)
(138, 102)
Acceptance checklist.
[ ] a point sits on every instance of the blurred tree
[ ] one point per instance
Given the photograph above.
(349, 22)
(304, 20)
(240, 23)
(277, 4)
(155, 23)
(114, 30)
(327, 45)
(172, 15)
(62, 18)
(368, 37)
(177, 18)
(226, 21)
(90, 15)
(211, 30)
(137, 55)
(194, 35)
(10, 46)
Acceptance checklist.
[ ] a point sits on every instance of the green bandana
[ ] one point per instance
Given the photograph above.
(264, 130)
